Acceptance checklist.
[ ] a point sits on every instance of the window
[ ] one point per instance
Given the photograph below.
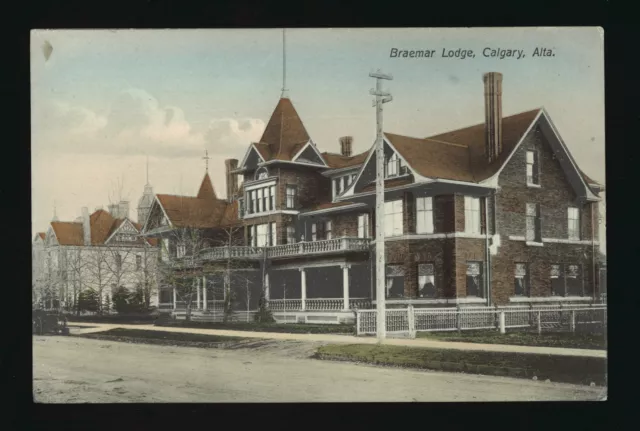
(292, 197)
(327, 229)
(118, 261)
(254, 201)
(574, 223)
(262, 174)
(472, 215)
(260, 207)
(474, 279)
(521, 280)
(273, 197)
(557, 280)
(533, 176)
(165, 249)
(262, 235)
(573, 280)
(353, 178)
(138, 262)
(392, 166)
(426, 280)
(424, 215)
(274, 234)
(318, 231)
(181, 250)
(291, 234)
(533, 223)
(395, 281)
(363, 226)
(393, 218)
(241, 206)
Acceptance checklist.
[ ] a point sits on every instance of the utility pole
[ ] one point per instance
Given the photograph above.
(381, 97)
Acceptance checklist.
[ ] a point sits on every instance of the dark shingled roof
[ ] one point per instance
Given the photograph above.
(284, 135)
(336, 161)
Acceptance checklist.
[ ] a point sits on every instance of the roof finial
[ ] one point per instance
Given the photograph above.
(55, 215)
(284, 93)
(206, 160)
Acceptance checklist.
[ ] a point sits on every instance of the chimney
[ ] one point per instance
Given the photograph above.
(123, 209)
(493, 114)
(345, 145)
(113, 210)
(232, 179)
(86, 226)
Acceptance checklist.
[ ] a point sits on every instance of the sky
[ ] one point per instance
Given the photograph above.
(105, 101)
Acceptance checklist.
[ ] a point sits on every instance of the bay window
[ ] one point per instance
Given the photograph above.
(393, 216)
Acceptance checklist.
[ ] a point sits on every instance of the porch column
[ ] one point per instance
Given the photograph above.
(303, 288)
(266, 286)
(197, 283)
(204, 292)
(345, 285)
(175, 298)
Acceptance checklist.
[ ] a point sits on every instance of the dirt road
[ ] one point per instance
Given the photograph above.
(77, 370)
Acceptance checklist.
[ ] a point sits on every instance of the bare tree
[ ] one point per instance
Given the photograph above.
(99, 276)
(146, 274)
(76, 265)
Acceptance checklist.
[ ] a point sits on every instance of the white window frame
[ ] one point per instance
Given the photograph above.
(393, 218)
(274, 234)
(328, 234)
(532, 166)
(472, 215)
(272, 193)
(294, 196)
(531, 215)
(363, 225)
(291, 234)
(424, 214)
(392, 161)
(262, 235)
(573, 223)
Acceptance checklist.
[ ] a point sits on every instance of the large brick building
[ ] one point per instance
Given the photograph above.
(495, 213)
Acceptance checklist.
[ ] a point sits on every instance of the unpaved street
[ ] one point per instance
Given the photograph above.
(77, 370)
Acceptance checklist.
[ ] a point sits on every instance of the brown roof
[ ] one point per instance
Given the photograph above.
(388, 184)
(460, 154)
(206, 188)
(284, 135)
(42, 235)
(188, 211)
(336, 161)
(327, 205)
(102, 226)
(68, 233)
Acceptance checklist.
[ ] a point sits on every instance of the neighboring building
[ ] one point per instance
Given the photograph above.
(493, 214)
(37, 267)
(95, 252)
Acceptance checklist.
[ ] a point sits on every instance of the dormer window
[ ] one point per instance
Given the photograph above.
(394, 166)
(262, 173)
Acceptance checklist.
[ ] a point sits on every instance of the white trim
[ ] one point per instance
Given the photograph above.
(549, 298)
(435, 301)
(246, 155)
(590, 194)
(302, 267)
(259, 185)
(349, 191)
(268, 213)
(516, 238)
(414, 236)
(569, 241)
(293, 159)
(413, 171)
(120, 227)
(534, 186)
(156, 200)
(288, 162)
(340, 171)
(328, 210)
(535, 244)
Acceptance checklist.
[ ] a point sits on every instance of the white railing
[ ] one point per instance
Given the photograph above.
(411, 320)
(318, 304)
(218, 253)
(319, 247)
(285, 304)
(324, 304)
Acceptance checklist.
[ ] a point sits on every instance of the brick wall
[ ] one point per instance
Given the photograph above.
(313, 188)
(345, 225)
(466, 250)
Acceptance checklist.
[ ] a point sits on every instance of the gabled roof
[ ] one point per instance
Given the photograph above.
(389, 184)
(337, 161)
(284, 135)
(68, 233)
(460, 154)
(188, 211)
(206, 188)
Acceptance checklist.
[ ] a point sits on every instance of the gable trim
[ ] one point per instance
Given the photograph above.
(309, 143)
(351, 188)
(416, 175)
(126, 220)
(51, 230)
(156, 201)
(246, 155)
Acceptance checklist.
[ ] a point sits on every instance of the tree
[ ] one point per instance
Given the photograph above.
(146, 274)
(77, 264)
(99, 277)
(88, 300)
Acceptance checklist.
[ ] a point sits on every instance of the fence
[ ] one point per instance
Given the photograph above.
(547, 317)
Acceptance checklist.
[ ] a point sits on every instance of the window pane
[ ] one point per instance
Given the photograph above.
(530, 157)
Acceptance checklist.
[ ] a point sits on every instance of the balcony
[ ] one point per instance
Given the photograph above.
(329, 246)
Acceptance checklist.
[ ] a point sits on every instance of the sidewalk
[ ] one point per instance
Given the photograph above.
(348, 339)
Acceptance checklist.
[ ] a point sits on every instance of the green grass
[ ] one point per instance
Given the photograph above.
(163, 337)
(569, 369)
(521, 338)
(290, 328)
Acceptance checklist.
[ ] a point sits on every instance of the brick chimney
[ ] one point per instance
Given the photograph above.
(345, 145)
(493, 114)
(86, 226)
(232, 179)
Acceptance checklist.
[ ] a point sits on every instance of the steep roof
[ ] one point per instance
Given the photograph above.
(459, 154)
(284, 135)
(188, 211)
(42, 235)
(68, 233)
(206, 188)
(337, 161)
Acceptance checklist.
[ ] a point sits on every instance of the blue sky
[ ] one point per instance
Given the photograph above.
(106, 99)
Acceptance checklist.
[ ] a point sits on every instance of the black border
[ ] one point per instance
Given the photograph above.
(619, 50)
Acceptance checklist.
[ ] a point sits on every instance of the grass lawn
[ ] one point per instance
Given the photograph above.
(289, 328)
(163, 337)
(569, 369)
(522, 338)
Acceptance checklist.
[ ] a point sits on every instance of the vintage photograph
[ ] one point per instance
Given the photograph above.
(318, 215)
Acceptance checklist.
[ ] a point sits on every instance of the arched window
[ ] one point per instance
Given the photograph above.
(262, 173)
